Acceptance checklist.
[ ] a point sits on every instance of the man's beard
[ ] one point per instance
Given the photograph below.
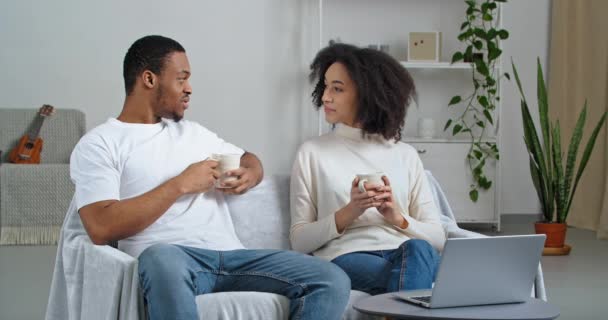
(164, 114)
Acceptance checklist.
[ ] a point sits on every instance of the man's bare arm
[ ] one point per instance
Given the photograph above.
(114, 220)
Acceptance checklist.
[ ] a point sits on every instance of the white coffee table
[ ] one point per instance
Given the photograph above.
(391, 306)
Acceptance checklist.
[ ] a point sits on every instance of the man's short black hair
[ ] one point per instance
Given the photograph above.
(147, 53)
(384, 87)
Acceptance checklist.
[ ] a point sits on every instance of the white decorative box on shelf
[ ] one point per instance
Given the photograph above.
(435, 65)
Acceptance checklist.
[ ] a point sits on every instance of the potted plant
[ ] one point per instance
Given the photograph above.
(481, 34)
(553, 171)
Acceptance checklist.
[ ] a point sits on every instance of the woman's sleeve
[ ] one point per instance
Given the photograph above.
(423, 218)
(307, 232)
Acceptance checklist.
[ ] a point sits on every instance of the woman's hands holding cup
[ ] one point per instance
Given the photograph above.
(363, 200)
(389, 208)
(365, 195)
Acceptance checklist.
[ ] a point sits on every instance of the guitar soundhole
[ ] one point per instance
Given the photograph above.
(29, 145)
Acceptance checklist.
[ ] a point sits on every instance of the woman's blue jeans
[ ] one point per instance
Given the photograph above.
(171, 276)
(411, 266)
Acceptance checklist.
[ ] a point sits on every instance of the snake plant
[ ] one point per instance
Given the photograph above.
(552, 174)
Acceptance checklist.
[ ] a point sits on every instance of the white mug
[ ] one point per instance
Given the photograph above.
(226, 162)
(426, 128)
(371, 178)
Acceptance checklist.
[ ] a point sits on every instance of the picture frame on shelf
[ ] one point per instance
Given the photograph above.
(424, 46)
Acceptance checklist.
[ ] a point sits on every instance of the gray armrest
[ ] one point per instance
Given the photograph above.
(33, 202)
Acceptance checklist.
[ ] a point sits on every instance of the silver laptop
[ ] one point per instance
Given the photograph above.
(478, 271)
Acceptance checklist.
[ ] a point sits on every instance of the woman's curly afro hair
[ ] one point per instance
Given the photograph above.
(384, 87)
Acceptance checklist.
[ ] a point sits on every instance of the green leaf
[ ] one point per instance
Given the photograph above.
(490, 81)
(538, 156)
(481, 67)
(488, 116)
(455, 100)
(457, 128)
(487, 17)
(492, 33)
(492, 91)
(477, 154)
(464, 25)
(559, 186)
(457, 57)
(474, 195)
(492, 6)
(478, 44)
(465, 35)
(585, 158)
(507, 76)
(494, 53)
(484, 7)
(483, 100)
(503, 34)
(484, 183)
(521, 91)
(535, 174)
(543, 112)
(468, 54)
(480, 33)
(447, 124)
(471, 3)
(481, 124)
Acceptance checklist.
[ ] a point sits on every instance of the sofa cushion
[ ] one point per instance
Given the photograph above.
(261, 216)
(262, 306)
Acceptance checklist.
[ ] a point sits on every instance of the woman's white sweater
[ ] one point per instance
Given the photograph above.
(321, 179)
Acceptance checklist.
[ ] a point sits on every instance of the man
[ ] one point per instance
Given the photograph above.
(144, 179)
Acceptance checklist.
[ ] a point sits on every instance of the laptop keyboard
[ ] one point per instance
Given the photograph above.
(426, 299)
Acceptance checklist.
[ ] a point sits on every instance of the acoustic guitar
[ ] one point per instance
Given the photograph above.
(30, 145)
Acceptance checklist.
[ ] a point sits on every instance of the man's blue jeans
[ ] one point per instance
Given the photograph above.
(171, 276)
(411, 266)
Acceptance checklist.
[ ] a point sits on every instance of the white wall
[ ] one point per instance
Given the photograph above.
(529, 25)
(249, 62)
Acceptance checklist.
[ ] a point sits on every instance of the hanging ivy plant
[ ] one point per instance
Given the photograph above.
(481, 35)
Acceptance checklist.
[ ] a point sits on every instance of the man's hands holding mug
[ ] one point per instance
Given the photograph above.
(199, 177)
(245, 179)
(220, 171)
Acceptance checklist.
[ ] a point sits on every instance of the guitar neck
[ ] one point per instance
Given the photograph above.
(34, 131)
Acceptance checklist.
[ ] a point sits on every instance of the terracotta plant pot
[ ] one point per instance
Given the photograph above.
(556, 233)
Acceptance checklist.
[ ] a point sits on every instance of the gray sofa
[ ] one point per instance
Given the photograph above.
(100, 282)
(35, 198)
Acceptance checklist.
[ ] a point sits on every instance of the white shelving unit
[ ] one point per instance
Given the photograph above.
(390, 22)
(435, 65)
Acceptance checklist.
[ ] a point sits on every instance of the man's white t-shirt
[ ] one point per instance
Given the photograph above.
(118, 161)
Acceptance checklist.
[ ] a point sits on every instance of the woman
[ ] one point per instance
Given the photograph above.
(388, 237)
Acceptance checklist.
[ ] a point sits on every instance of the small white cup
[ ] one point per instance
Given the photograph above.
(371, 178)
(226, 162)
(426, 128)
